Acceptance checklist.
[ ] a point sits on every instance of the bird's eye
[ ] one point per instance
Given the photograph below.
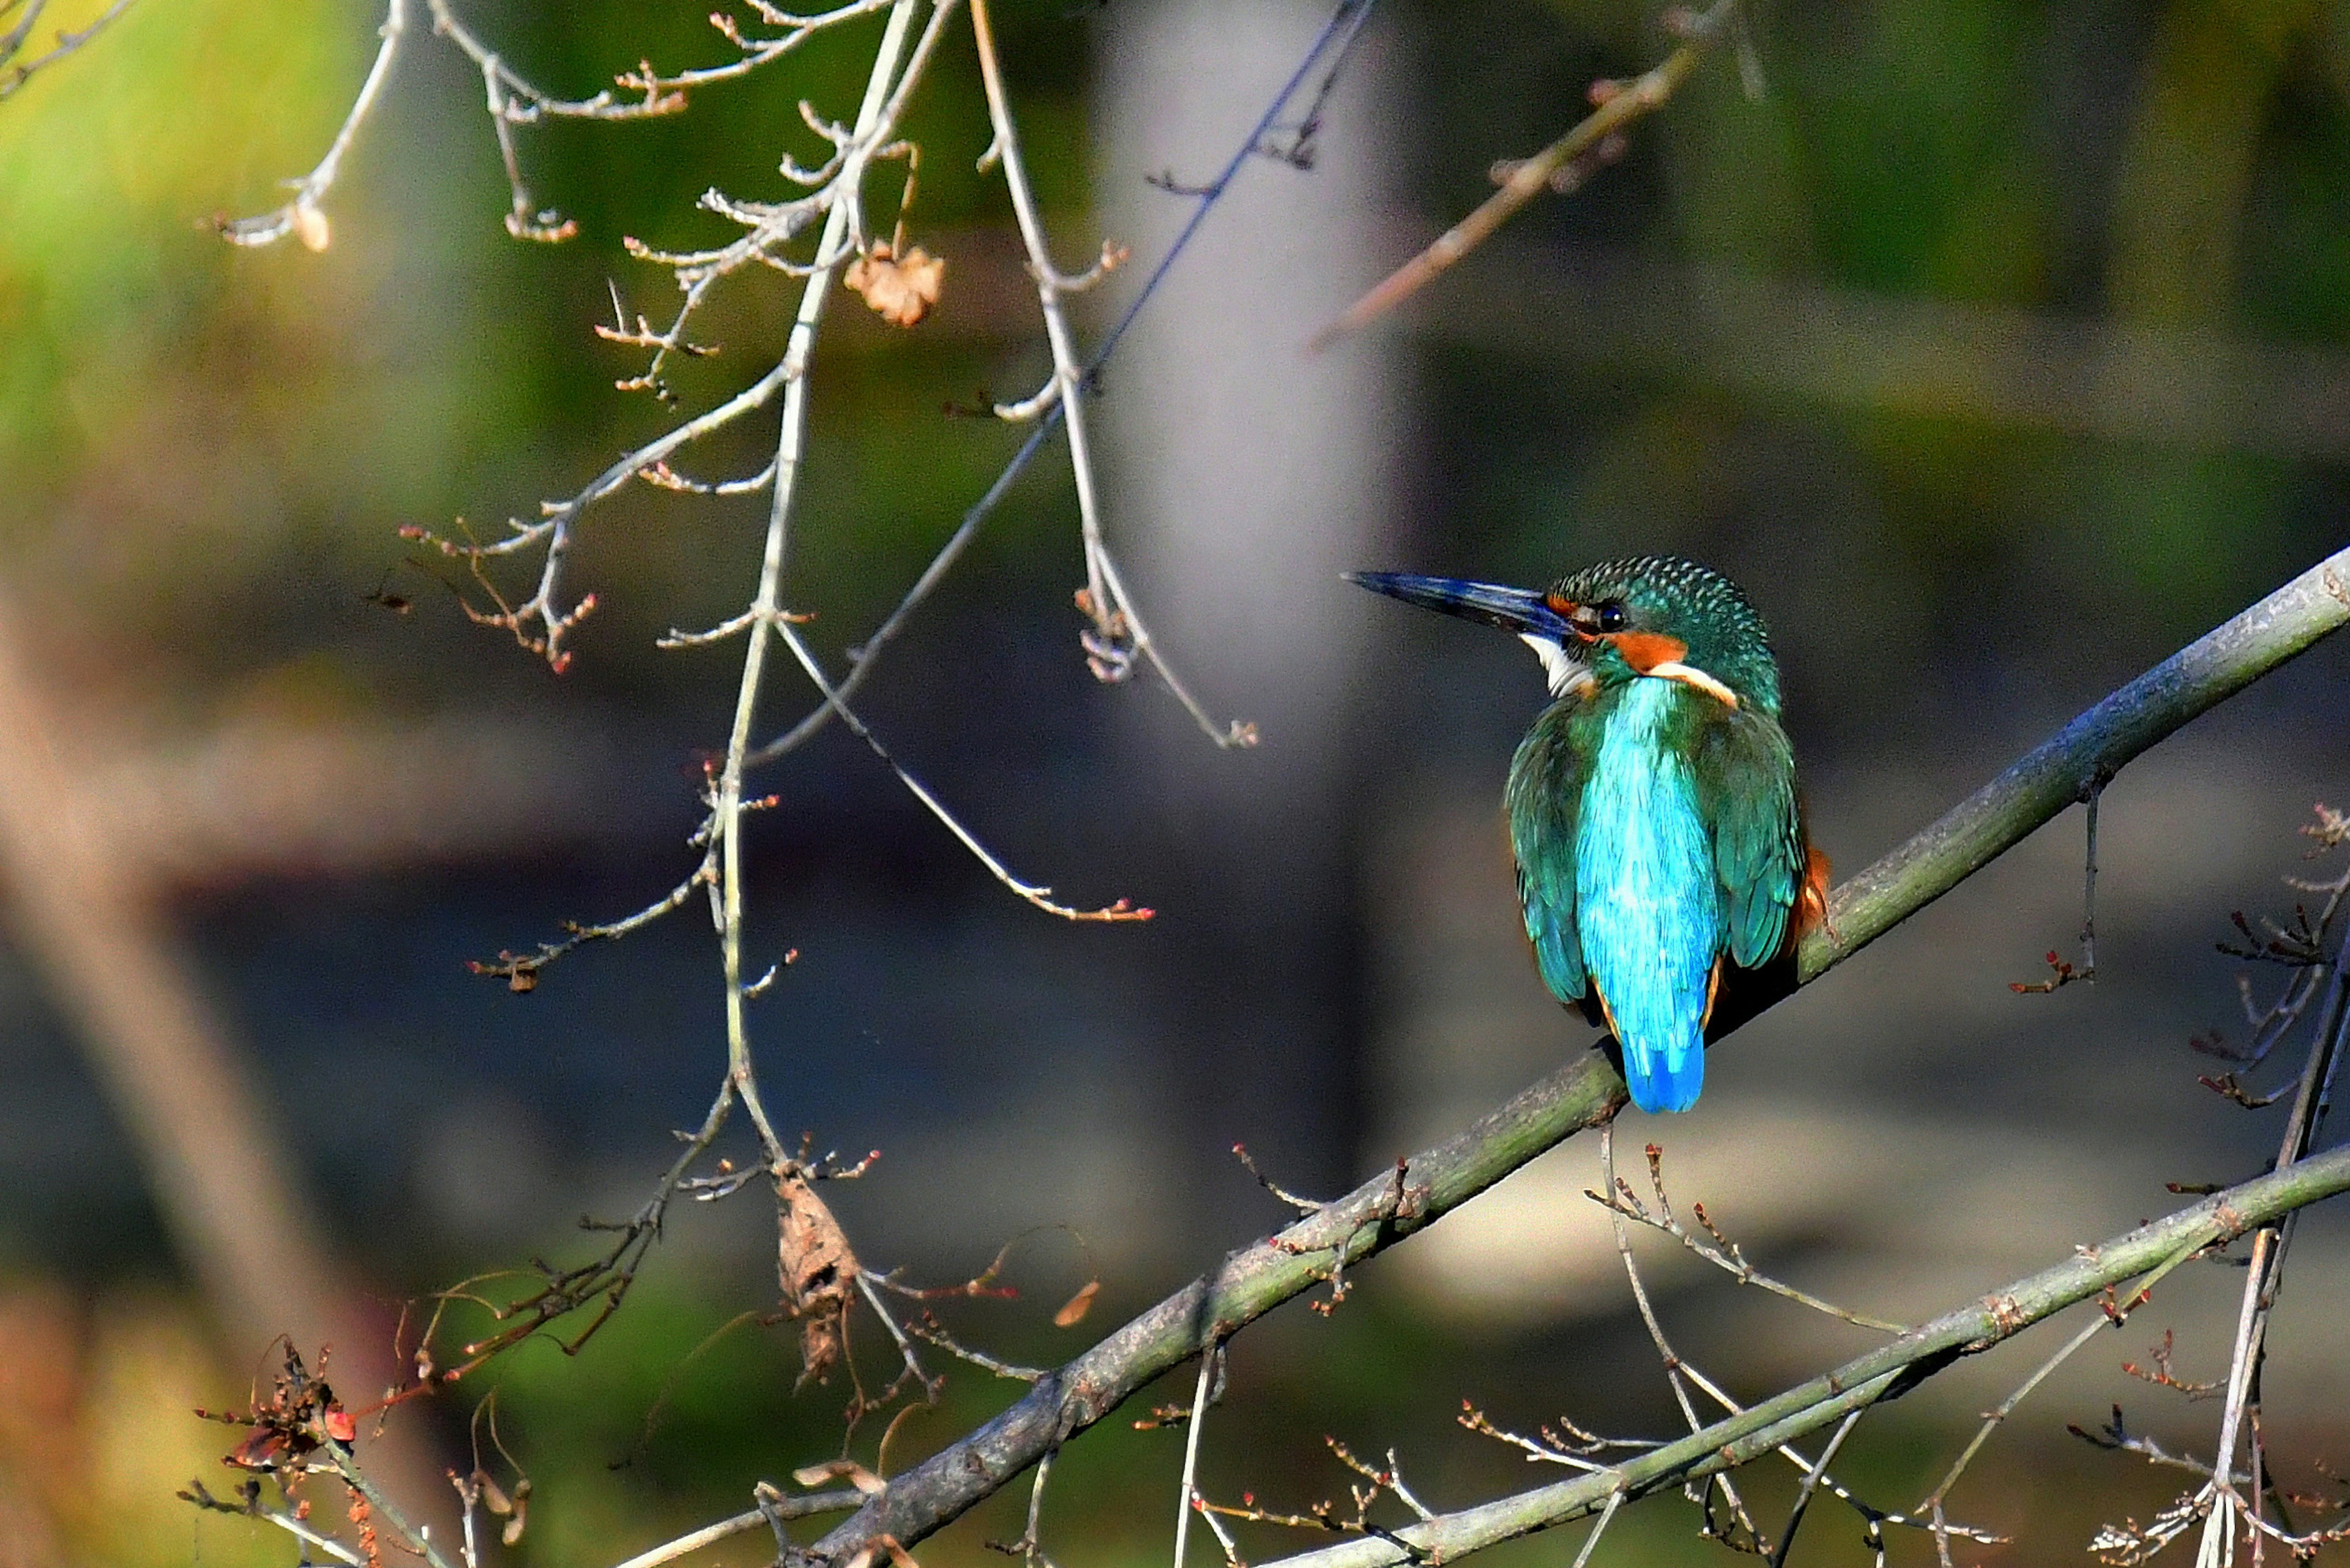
(1611, 616)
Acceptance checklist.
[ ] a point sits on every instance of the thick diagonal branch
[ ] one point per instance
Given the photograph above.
(1256, 1279)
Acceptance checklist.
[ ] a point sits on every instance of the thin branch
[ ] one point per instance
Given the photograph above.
(1186, 1499)
(602, 1283)
(1676, 1374)
(1932, 1507)
(520, 971)
(1030, 1548)
(1388, 1207)
(303, 215)
(1607, 1517)
(284, 1519)
(742, 1523)
(11, 42)
(767, 605)
(1041, 896)
(417, 1541)
(1720, 1250)
(1811, 1484)
(1118, 634)
(1345, 17)
(1827, 1399)
(1572, 1450)
(1815, 1473)
(1622, 104)
(2264, 1278)
(541, 622)
(932, 1332)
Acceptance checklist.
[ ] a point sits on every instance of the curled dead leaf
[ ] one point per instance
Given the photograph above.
(849, 1470)
(900, 290)
(885, 1549)
(1073, 1311)
(815, 1268)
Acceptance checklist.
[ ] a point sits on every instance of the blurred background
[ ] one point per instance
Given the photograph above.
(1998, 349)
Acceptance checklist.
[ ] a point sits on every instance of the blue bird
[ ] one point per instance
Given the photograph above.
(1652, 808)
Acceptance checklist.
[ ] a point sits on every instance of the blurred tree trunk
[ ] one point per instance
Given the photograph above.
(81, 905)
(1246, 476)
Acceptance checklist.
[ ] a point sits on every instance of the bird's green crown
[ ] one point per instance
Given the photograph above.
(1680, 599)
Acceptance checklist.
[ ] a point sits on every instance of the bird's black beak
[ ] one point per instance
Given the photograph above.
(1525, 611)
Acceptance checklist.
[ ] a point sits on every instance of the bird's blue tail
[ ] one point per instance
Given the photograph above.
(1664, 1080)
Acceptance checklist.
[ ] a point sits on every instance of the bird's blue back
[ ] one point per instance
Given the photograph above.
(1656, 834)
(1648, 904)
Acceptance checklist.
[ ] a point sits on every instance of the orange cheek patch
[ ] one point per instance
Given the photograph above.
(1644, 651)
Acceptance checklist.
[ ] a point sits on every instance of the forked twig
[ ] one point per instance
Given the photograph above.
(1720, 1250)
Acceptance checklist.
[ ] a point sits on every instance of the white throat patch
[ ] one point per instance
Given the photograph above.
(1567, 677)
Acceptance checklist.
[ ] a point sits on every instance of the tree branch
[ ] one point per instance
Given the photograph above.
(1885, 1373)
(12, 42)
(1623, 103)
(2078, 759)
(1396, 1204)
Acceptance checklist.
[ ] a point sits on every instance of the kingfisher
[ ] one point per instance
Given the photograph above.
(1652, 808)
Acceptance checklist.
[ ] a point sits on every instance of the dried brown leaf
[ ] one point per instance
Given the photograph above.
(900, 290)
(1073, 1311)
(815, 1267)
(849, 1470)
(885, 1548)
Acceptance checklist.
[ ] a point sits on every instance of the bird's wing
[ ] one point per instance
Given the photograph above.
(1745, 775)
(1545, 793)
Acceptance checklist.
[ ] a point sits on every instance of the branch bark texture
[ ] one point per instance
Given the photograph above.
(1588, 1090)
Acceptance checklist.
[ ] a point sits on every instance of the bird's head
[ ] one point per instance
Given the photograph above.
(1651, 616)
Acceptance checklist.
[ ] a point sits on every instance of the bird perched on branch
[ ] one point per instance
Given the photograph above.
(1652, 808)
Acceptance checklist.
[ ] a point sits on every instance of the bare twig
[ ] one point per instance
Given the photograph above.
(767, 605)
(1344, 18)
(931, 1331)
(1825, 1401)
(1676, 1373)
(1598, 1529)
(1041, 896)
(1118, 634)
(1812, 1479)
(250, 1506)
(303, 215)
(1030, 1547)
(1188, 1498)
(2060, 973)
(1620, 104)
(781, 1506)
(521, 972)
(1720, 1250)
(12, 42)
(1574, 1449)
(1248, 1162)
(1324, 1516)
(2265, 1277)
